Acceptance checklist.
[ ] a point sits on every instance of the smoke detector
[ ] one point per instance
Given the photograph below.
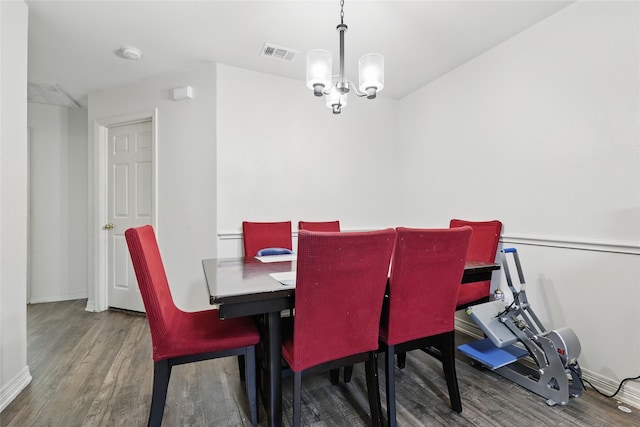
(130, 52)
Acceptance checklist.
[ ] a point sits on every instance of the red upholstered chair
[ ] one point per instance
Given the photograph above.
(319, 226)
(426, 270)
(261, 235)
(483, 247)
(340, 286)
(180, 337)
(333, 226)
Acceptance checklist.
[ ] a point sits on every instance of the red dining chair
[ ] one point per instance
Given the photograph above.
(319, 225)
(340, 285)
(180, 337)
(333, 226)
(483, 247)
(426, 270)
(257, 236)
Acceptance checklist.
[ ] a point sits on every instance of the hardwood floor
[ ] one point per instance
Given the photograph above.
(95, 369)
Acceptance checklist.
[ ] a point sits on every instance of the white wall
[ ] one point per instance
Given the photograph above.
(14, 372)
(58, 202)
(546, 124)
(542, 132)
(186, 154)
(283, 155)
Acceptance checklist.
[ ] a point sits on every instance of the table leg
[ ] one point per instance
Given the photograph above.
(275, 376)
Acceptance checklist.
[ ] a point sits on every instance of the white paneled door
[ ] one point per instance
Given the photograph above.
(130, 205)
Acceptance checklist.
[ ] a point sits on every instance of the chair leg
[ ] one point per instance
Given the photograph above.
(161, 375)
(390, 384)
(447, 344)
(297, 398)
(348, 372)
(371, 367)
(252, 392)
(402, 360)
(241, 365)
(335, 376)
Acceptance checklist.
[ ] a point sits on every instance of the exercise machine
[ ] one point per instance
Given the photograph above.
(518, 347)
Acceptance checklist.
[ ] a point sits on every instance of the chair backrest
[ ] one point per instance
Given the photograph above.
(162, 313)
(319, 225)
(426, 271)
(484, 239)
(340, 285)
(261, 235)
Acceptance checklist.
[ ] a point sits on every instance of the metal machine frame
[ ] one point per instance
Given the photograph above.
(558, 375)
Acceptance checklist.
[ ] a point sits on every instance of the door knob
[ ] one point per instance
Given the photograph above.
(108, 226)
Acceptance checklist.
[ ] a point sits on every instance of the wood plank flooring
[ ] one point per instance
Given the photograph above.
(95, 369)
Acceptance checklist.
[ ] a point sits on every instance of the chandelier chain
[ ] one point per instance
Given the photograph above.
(342, 11)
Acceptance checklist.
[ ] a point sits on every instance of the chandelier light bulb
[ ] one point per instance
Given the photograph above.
(319, 63)
(371, 74)
(336, 100)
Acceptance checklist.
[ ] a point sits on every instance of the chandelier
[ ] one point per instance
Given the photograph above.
(336, 88)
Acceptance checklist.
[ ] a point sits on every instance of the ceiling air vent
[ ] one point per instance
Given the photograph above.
(278, 52)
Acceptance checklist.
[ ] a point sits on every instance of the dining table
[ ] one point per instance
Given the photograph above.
(245, 286)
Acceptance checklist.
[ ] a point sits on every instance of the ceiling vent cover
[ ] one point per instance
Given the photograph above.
(278, 52)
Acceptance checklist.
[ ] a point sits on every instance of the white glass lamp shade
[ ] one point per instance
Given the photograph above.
(336, 101)
(371, 74)
(319, 65)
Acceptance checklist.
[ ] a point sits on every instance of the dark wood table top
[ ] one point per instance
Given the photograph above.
(246, 280)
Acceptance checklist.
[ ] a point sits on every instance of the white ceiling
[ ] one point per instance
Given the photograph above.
(74, 44)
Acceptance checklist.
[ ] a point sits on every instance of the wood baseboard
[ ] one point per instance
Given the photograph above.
(14, 387)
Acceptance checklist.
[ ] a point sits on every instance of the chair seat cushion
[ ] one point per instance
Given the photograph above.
(470, 292)
(204, 332)
(299, 363)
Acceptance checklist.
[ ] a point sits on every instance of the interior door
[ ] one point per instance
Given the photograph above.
(130, 205)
